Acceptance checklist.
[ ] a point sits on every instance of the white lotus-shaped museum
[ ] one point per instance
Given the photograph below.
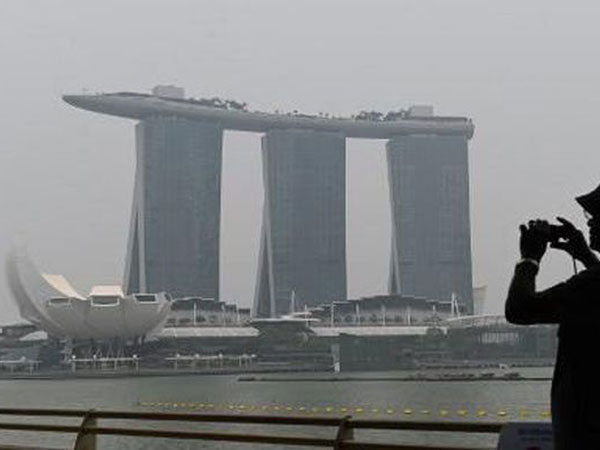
(51, 303)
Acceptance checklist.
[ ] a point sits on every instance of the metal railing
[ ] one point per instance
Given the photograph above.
(344, 437)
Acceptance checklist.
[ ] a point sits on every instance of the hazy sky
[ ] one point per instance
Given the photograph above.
(526, 72)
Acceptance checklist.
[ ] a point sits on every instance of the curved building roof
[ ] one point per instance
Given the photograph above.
(138, 106)
(54, 306)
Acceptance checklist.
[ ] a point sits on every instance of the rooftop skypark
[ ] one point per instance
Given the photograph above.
(233, 114)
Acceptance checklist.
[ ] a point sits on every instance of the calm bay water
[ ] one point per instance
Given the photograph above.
(457, 401)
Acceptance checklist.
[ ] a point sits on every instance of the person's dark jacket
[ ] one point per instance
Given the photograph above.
(575, 306)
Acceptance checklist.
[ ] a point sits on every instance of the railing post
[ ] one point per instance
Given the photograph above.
(344, 433)
(86, 441)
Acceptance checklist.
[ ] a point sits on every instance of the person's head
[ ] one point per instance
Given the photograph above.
(590, 203)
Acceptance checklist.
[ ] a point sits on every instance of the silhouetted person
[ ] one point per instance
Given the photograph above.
(575, 306)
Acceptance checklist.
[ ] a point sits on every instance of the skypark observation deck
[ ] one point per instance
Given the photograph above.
(175, 224)
(140, 106)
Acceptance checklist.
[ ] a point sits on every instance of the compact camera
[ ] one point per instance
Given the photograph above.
(552, 233)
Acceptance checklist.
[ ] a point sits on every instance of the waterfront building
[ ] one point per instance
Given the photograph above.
(174, 233)
(106, 313)
(384, 310)
(491, 337)
(302, 258)
(431, 238)
(206, 312)
(175, 219)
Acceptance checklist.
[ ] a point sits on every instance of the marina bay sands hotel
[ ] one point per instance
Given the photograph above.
(174, 235)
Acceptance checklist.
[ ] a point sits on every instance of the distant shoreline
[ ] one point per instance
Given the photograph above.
(393, 379)
(445, 373)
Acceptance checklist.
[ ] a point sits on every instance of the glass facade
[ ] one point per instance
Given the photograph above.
(429, 192)
(303, 245)
(174, 234)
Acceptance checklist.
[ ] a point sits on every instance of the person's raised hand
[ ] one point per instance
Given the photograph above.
(573, 242)
(534, 239)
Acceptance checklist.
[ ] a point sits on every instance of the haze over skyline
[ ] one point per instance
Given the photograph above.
(523, 72)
